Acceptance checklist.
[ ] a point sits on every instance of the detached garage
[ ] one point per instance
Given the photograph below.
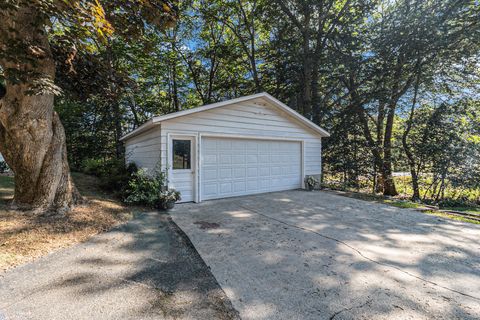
(248, 145)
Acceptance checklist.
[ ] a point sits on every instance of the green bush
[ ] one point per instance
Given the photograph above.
(143, 189)
(128, 183)
(93, 167)
(114, 175)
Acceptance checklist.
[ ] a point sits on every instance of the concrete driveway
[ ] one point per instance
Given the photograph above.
(315, 255)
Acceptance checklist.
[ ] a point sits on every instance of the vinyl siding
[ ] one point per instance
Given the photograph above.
(144, 149)
(250, 118)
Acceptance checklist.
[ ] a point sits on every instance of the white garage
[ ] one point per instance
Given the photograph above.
(248, 145)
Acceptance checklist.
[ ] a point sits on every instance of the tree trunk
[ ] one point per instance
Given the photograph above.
(387, 174)
(32, 138)
(307, 63)
(408, 152)
(117, 120)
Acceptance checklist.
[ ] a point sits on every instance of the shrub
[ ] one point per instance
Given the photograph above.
(4, 167)
(143, 189)
(311, 182)
(92, 166)
(114, 176)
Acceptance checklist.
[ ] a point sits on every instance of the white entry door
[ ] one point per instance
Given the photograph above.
(182, 162)
(235, 167)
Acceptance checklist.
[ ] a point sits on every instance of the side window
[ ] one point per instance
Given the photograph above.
(181, 154)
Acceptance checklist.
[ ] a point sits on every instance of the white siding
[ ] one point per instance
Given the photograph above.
(144, 149)
(251, 118)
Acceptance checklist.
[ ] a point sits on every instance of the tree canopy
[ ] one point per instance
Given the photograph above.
(395, 82)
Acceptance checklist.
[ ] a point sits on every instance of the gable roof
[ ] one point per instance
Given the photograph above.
(280, 105)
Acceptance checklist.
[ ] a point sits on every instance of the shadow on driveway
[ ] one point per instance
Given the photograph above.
(145, 269)
(314, 255)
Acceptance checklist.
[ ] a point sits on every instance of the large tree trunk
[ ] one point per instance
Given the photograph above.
(32, 138)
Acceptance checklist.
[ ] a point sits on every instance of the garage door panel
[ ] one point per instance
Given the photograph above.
(225, 173)
(252, 172)
(233, 167)
(252, 184)
(210, 174)
(208, 145)
(264, 171)
(263, 158)
(224, 144)
(276, 171)
(225, 158)
(239, 186)
(225, 188)
(238, 159)
(211, 159)
(239, 172)
(210, 189)
(238, 145)
(252, 159)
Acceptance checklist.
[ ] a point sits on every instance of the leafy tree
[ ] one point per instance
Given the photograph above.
(32, 137)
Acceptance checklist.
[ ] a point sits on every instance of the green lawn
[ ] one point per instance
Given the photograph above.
(404, 187)
(405, 204)
(451, 216)
(472, 210)
(403, 184)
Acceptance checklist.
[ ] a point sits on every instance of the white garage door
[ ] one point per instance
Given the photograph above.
(235, 167)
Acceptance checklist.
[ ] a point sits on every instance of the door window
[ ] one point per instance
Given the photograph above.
(182, 150)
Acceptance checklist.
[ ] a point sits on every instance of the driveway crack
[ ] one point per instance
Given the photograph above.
(361, 253)
(348, 309)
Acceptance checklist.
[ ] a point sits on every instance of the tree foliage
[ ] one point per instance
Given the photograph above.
(395, 82)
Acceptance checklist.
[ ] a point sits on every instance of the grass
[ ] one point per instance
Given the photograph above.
(451, 216)
(404, 187)
(403, 184)
(472, 210)
(404, 204)
(24, 238)
(380, 199)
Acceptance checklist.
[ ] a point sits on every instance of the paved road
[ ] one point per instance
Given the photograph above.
(145, 269)
(315, 255)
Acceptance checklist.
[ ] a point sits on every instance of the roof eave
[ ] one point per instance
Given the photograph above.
(144, 127)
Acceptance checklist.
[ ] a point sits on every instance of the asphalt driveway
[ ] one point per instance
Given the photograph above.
(145, 269)
(315, 255)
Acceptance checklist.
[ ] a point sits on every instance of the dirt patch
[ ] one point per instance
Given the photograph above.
(24, 238)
